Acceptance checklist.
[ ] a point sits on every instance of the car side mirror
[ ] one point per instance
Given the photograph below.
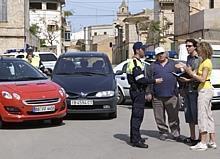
(119, 72)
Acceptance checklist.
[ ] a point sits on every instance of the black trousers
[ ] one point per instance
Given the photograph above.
(137, 115)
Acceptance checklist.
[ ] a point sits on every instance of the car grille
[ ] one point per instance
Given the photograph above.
(79, 95)
(42, 101)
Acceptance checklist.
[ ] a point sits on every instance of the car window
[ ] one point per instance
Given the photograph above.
(82, 64)
(47, 57)
(124, 68)
(18, 70)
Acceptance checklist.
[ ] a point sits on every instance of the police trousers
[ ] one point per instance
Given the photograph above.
(137, 114)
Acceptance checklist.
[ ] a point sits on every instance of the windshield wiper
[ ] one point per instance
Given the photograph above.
(91, 73)
(30, 78)
(6, 79)
(64, 73)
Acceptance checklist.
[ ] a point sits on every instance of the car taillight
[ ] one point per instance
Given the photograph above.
(12, 110)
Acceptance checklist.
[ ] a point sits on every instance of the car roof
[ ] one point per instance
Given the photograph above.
(44, 52)
(3, 58)
(83, 54)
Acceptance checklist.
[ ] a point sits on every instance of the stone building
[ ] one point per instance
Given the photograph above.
(197, 19)
(14, 25)
(164, 12)
(47, 16)
(99, 38)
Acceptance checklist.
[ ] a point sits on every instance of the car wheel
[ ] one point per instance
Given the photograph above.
(57, 121)
(112, 115)
(121, 97)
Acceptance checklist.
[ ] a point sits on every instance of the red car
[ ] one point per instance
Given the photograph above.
(27, 94)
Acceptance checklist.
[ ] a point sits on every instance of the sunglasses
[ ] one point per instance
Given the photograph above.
(189, 45)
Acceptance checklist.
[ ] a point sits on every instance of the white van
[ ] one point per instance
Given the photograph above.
(215, 80)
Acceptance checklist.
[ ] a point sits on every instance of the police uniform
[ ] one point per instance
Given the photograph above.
(138, 83)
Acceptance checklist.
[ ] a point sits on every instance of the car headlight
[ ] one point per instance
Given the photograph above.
(8, 95)
(16, 96)
(105, 94)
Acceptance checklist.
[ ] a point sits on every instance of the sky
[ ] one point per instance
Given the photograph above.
(95, 12)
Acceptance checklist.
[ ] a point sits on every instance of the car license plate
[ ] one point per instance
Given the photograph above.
(81, 102)
(48, 108)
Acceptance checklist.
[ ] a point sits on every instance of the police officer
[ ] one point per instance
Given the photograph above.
(138, 83)
(35, 60)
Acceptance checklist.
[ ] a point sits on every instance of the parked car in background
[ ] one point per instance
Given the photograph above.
(122, 82)
(48, 59)
(27, 94)
(89, 81)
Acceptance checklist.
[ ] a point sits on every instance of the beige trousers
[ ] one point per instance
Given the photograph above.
(205, 116)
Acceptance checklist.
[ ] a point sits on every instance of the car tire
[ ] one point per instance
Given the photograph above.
(121, 98)
(57, 121)
(112, 115)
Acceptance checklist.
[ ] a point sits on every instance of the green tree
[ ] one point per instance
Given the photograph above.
(34, 29)
(68, 13)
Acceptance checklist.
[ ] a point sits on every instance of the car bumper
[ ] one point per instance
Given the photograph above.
(107, 105)
(216, 96)
(7, 117)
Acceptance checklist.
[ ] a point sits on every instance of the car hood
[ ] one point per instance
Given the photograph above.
(30, 86)
(86, 84)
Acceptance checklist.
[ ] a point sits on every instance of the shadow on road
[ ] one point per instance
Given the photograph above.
(123, 137)
(87, 117)
(30, 125)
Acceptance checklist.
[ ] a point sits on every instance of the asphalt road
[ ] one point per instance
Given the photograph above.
(90, 137)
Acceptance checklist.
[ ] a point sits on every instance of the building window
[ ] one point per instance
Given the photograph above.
(35, 5)
(211, 4)
(3, 10)
(67, 36)
(51, 6)
(95, 33)
(105, 33)
(52, 27)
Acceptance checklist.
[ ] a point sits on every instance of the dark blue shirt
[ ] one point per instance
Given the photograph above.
(168, 87)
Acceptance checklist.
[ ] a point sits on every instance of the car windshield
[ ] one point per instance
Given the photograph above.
(47, 57)
(82, 65)
(18, 71)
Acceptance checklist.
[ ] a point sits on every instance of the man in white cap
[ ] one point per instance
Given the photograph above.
(164, 95)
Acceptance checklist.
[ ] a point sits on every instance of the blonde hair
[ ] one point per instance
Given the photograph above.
(205, 48)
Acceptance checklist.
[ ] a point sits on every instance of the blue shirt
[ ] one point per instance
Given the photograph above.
(168, 87)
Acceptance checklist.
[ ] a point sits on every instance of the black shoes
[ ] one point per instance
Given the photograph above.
(140, 145)
(163, 137)
(142, 140)
(179, 139)
(191, 141)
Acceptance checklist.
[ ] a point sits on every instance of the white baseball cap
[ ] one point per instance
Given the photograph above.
(159, 50)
